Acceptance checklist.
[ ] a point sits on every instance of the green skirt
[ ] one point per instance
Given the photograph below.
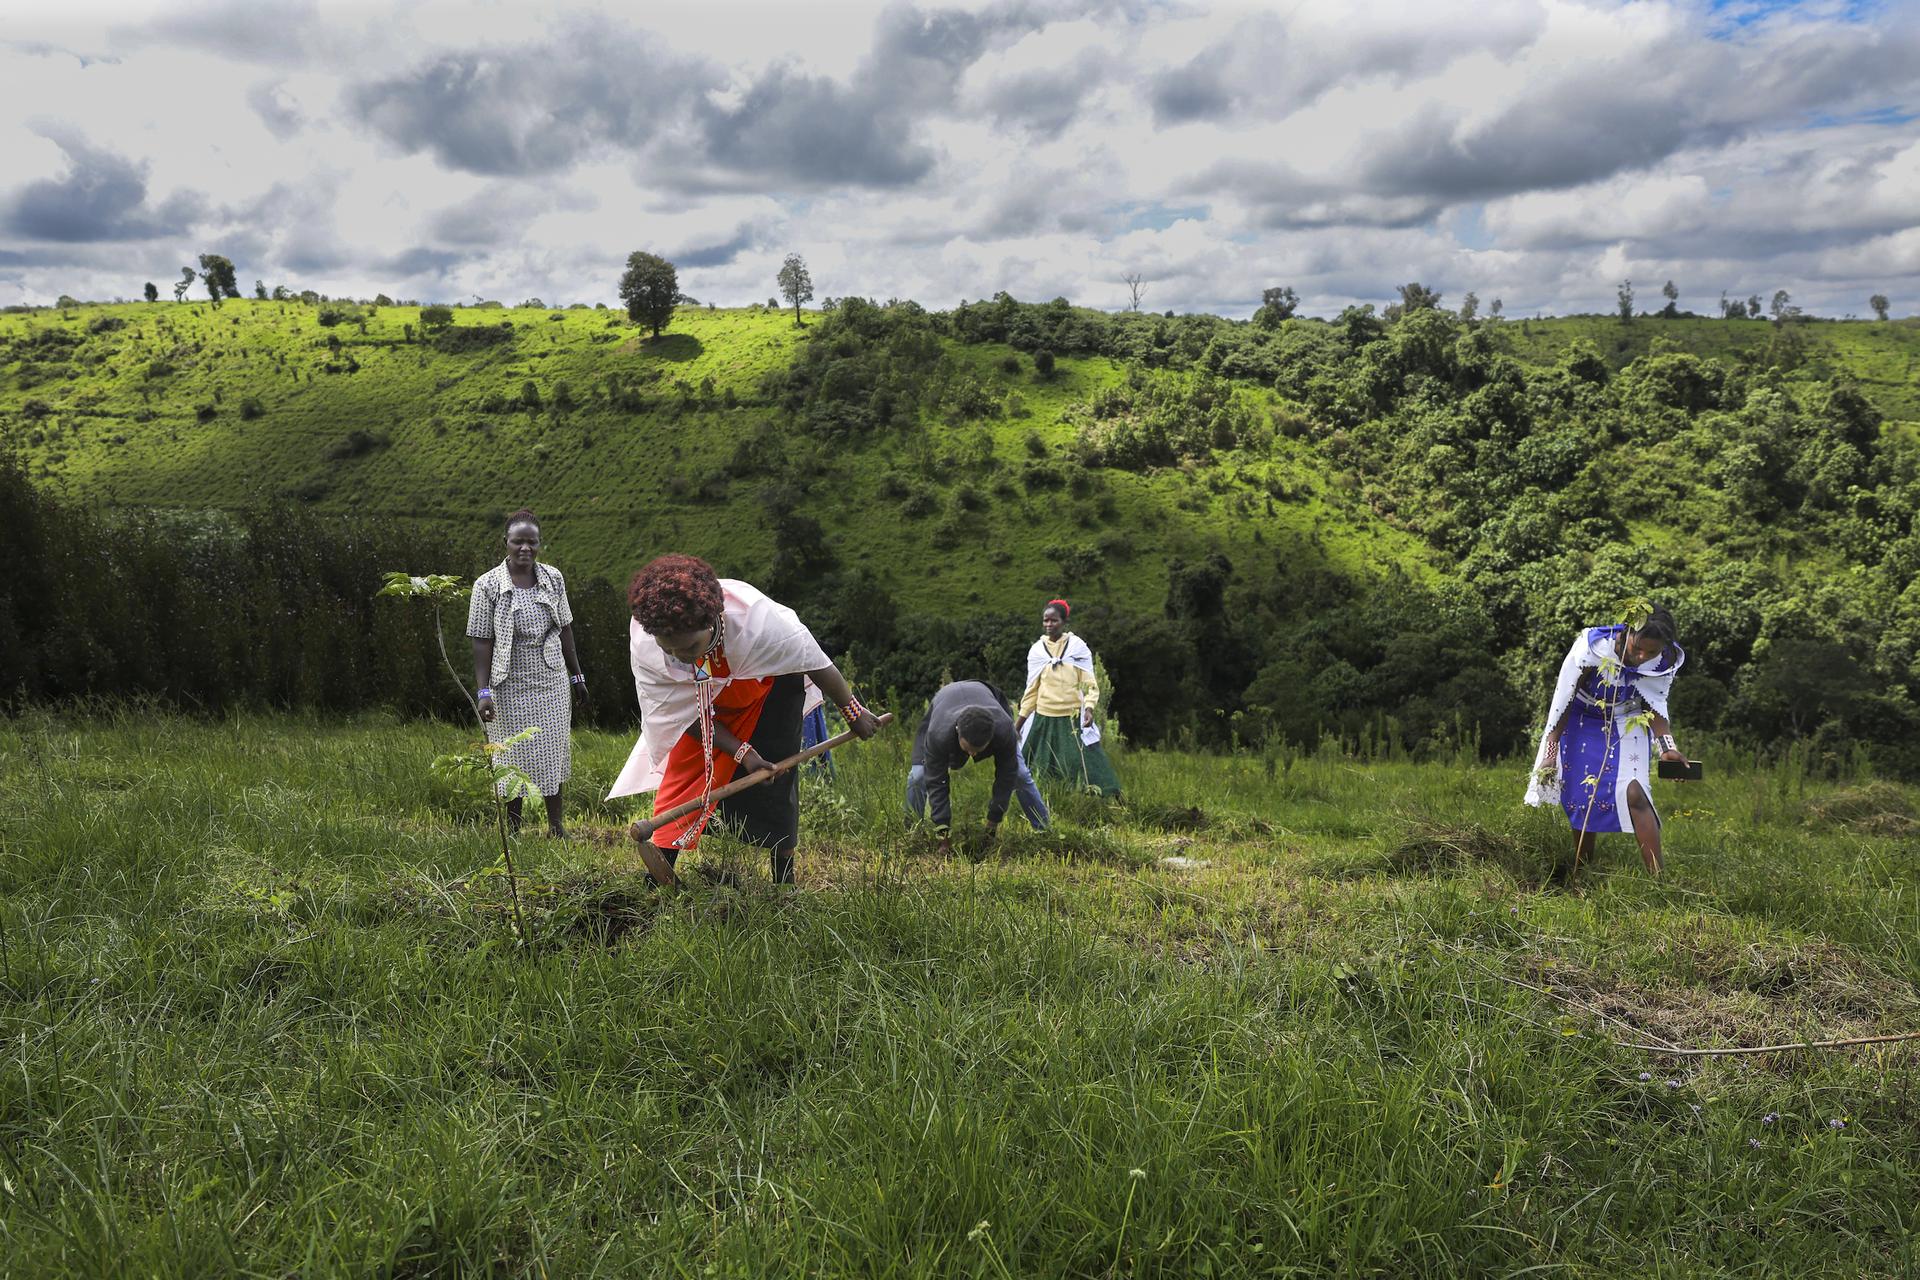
(1054, 750)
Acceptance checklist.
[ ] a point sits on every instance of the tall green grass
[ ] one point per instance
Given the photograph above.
(260, 1015)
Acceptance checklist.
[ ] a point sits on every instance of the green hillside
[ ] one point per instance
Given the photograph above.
(623, 444)
(1230, 498)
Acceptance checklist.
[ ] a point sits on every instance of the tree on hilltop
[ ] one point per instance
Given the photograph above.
(1671, 292)
(650, 287)
(1469, 305)
(1276, 304)
(1879, 304)
(1753, 306)
(260, 290)
(1414, 296)
(796, 283)
(1783, 308)
(1136, 289)
(1494, 309)
(185, 283)
(218, 273)
(436, 317)
(153, 293)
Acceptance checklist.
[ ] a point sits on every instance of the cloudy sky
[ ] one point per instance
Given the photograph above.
(1532, 150)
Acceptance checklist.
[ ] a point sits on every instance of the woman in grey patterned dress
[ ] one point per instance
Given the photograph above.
(521, 625)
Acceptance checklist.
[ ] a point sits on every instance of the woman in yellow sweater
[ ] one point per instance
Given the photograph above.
(1057, 732)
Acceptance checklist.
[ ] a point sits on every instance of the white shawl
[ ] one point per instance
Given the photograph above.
(1592, 650)
(1076, 654)
(763, 638)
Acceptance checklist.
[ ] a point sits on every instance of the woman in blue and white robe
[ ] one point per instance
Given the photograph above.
(1607, 718)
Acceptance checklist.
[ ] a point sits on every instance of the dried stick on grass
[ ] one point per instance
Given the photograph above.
(1771, 1048)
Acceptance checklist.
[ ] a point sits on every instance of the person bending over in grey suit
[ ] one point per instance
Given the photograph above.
(968, 720)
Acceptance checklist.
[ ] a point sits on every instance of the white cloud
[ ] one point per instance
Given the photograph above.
(1536, 150)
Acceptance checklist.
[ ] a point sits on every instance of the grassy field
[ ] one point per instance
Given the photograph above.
(620, 444)
(260, 1015)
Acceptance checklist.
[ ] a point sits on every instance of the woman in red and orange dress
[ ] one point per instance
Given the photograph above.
(721, 672)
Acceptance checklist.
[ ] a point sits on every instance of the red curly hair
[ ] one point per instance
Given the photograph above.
(675, 593)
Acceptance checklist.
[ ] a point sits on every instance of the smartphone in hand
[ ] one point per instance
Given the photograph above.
(1682, 770)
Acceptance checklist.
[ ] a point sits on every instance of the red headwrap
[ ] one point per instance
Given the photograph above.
(1066, 610)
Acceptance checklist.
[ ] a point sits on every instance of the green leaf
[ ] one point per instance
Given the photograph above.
(434, 588)
(1634, 611)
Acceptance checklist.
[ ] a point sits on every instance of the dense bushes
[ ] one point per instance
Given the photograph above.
(864, 368)
(1157, 419)
(462, 339)
(273, 608)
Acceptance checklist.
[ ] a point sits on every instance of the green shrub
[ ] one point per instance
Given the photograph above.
(251, 408)
(1042, 477)
(461, 339)
(357, 444)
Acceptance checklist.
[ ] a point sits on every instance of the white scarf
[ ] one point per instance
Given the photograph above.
(763, 638)
(1076, 654)
(1593, 650)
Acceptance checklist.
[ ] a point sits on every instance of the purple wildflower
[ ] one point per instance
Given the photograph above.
(1836, 1123)
(1645, 1076)
(1770, 1117)
(1673, 1084)
(1697, 1108)
(1754, 1143)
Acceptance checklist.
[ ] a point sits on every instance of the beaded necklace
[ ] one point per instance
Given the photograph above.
(703, 693)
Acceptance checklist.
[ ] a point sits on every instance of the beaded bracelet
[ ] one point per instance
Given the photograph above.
(1666, 742)
(486, 693)
(852, 709)
(741, 752)
(580, 679)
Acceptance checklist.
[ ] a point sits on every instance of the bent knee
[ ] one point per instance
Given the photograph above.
(1637, 797)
